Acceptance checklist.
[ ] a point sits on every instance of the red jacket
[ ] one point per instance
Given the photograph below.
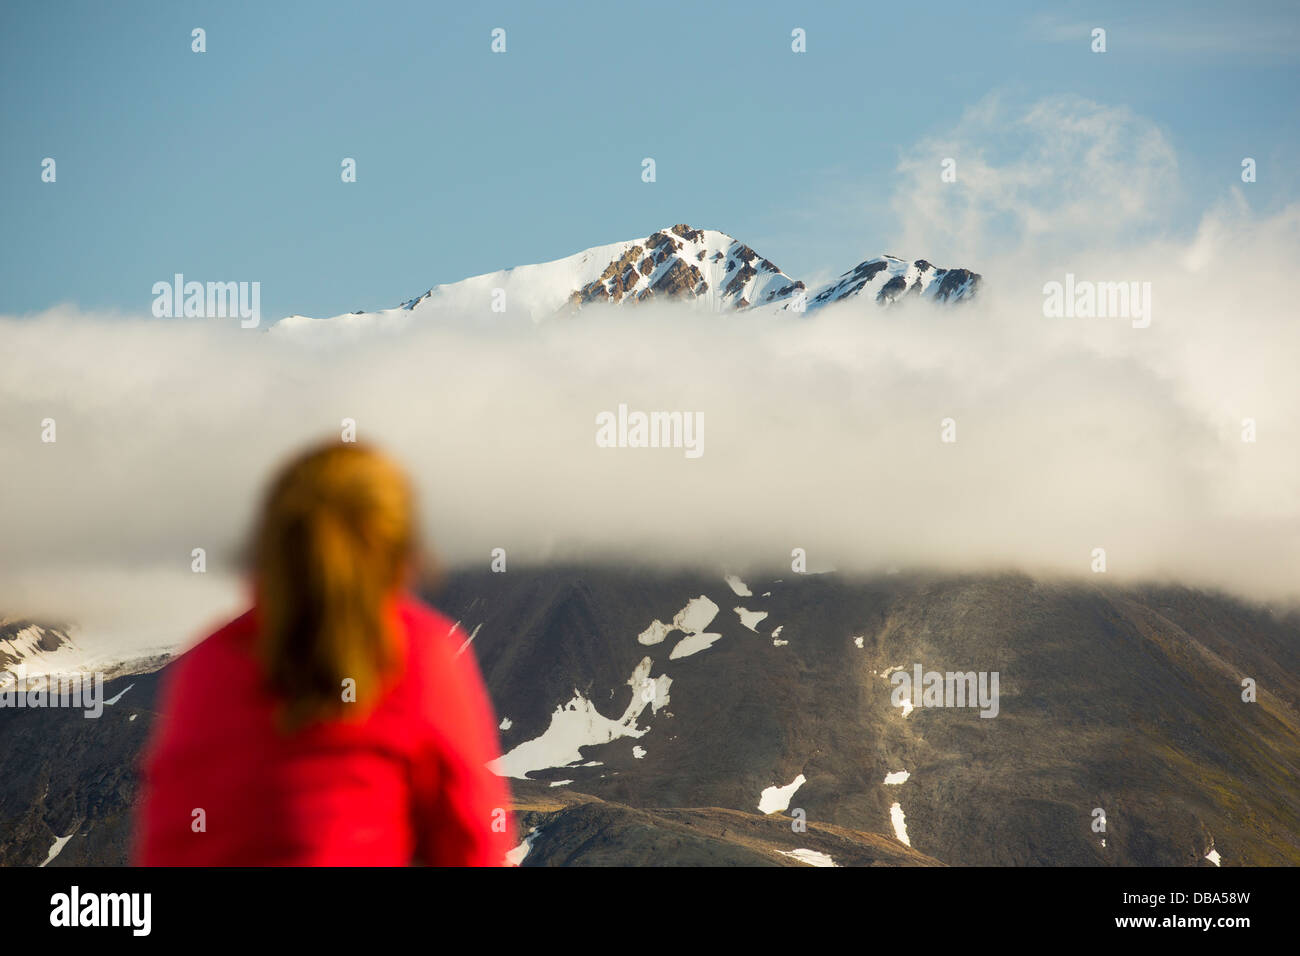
(407, 783)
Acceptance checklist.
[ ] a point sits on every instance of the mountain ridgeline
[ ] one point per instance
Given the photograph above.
(678, 264)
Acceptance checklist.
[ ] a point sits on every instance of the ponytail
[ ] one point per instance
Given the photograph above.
(335, 538)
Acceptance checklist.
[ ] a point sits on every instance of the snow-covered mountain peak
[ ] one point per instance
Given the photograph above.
(679, 263)
(886, 279)
(686, 263)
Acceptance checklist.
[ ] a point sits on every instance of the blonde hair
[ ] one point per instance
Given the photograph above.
(335, 537)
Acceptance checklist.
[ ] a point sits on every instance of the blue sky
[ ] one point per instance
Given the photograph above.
(225, 165)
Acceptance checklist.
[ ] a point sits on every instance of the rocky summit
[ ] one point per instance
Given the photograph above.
(680, 264)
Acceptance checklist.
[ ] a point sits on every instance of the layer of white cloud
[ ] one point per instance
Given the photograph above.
(823, 433)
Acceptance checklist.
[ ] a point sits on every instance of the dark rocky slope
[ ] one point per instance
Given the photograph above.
(1127, 699)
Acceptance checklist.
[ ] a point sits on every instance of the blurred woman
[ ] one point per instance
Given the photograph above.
(336, 722)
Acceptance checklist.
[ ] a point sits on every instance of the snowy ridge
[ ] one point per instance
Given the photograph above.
(34, 646)
(887, 279)
(680, 263)
(35, 650)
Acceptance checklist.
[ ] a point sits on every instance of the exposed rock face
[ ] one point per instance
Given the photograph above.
(619, 278)
(892, 289)
(889, 279)
(956, 283)
(680, 279)
(683, 263)
(738, 281)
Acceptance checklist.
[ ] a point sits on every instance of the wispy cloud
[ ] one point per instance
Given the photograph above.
(1061, 174)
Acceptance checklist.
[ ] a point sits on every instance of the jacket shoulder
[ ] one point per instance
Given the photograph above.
(430, 628)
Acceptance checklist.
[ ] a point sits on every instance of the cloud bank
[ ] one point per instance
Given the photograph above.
(821, 433)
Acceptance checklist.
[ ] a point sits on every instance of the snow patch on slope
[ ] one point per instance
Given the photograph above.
(775, 799)
(738, 586)
(516, 856)
(811, 857)
(691, 621)
(579, 724)
(900, 824)
(57, 848)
